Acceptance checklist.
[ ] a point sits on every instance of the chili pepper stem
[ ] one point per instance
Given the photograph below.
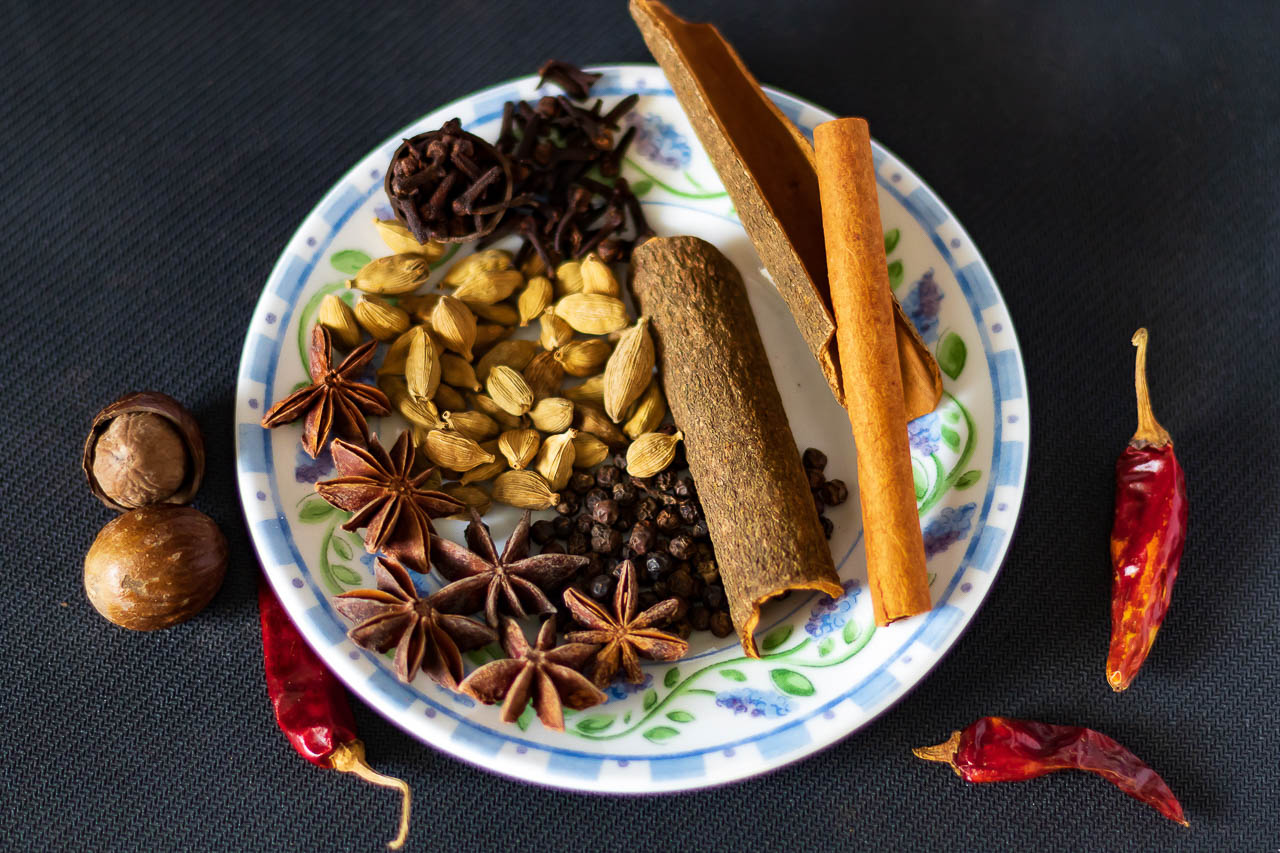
(944, 752)
(1149, 432)
(349, 758)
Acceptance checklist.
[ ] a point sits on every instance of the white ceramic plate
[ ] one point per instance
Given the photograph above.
(715, 716)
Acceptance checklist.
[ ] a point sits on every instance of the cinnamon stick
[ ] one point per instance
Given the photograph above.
(866, 344)
(767, 167)
(721, 392)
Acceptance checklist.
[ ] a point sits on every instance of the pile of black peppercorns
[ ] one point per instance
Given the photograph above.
(656, 524)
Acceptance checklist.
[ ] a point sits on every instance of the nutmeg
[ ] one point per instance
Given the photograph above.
(155, 567)
(144, 449)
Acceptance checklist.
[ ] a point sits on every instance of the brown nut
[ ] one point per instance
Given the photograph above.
(144, 449)
(155, 567)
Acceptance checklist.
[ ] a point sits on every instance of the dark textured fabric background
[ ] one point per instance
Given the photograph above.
(1115, 162)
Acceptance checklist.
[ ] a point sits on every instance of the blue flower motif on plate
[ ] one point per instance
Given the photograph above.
(922, 305)
(951, 525)
(308, 470)
(623, 689)
(830, 614)
(755, 703)
(658, 141)
(924, 433)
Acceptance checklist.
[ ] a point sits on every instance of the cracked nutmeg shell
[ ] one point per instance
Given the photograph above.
(154, 567)
(144, 449)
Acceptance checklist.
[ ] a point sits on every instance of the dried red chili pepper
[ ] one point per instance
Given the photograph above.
(311, 704)
(1000, 749)
(1147, 536)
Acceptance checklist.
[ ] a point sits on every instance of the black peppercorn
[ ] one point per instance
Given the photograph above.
(665, 481)
(657, 564)
(815, 458)
(569, 503)
(594, 497)
(835, 492)
(827, 527)
(699, 529)
(646, 508)
(578, 544)
(819, 502)
(642, 538)
(619, 461)
(714, 596)
(553, 548)
(563, 526)
(605, 511)
(667, 519)
(680, 583)
(646, 599)
(624, 523)
(542, 532)
(816, 478)
(681, 629)
(581, 482)
(625, 493)
(721, 623)
(684, 489)
(699, 618)
(661, 589)
(689, 511)
(595, 565)
(608, 475)
(681, 547)
(605, 540)
(600, 587)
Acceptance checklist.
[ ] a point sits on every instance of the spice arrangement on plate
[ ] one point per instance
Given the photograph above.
(633, 417)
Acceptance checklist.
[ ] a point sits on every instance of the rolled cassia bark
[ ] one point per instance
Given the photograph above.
(720, 389)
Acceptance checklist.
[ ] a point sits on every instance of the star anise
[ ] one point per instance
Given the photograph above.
(511, 584)
(394, 616)
(334, 401)
(388, 499)
(546, 674)
(624, 635)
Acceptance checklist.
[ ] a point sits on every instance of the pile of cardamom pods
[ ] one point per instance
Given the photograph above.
(505, 418)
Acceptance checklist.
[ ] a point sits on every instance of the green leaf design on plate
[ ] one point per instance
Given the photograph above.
(891, 238)
(951, 354)
(776, 637)
(526, 717)
(951, 416)
(477, 657)
(315, 509)
(921, 478)
(650, 699)
(595, 723)
(342, 549)
(733, 675)
(658, 734)
(850, 631)
(951, 437)
(641, 187)
(680, 717)
(673, 675)
(792, 682)
(825, 647)
(344, 574)
(349, 261)
(895, 274)
(968, 478)
(627, 718)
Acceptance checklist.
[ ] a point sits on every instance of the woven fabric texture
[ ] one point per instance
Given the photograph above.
(1117, 165)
